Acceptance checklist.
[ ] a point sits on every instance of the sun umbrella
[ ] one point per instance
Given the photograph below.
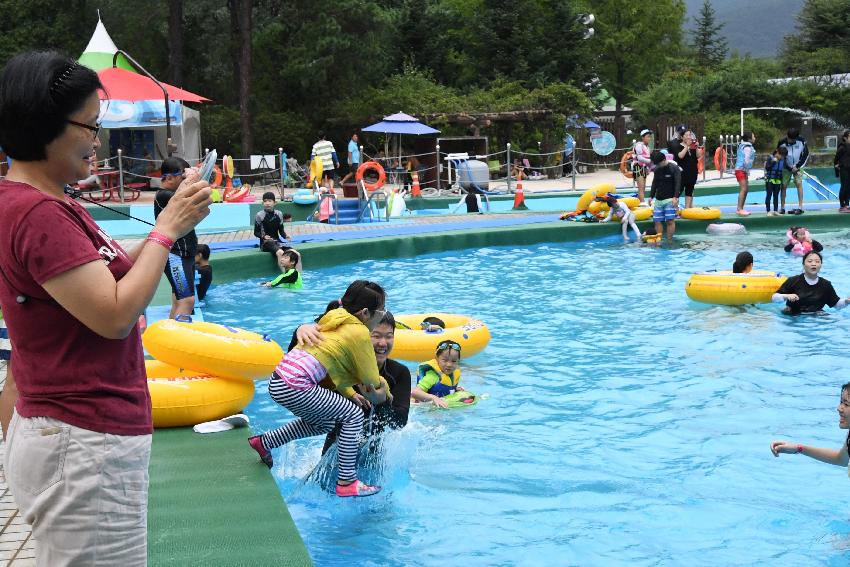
(120, 84)
(401, 124)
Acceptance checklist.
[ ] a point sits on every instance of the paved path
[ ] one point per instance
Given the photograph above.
(17, 548)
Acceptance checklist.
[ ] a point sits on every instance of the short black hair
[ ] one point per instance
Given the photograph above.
(268, 196)
(435, 321)
(742, 260)
(793, 133)
(747, 136)
(287, 216)
(172, 165)
(292, 255)
(657, 157)
(204, 251)
(783, 150)
(388, 319)
(39, 90)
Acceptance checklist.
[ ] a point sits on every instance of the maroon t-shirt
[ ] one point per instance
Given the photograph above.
(63, 369)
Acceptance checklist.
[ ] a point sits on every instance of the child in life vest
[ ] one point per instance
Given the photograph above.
(622, 212)
(800, 242)
(439, 376)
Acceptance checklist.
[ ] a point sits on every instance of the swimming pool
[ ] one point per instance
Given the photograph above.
(625, 424)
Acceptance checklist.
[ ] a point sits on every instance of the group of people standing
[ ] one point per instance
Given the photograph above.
(781, 167)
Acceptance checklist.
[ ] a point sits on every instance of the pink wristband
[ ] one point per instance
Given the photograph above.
(799, 448)
(161, 239)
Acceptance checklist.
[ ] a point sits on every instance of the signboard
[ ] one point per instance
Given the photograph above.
(603, 143)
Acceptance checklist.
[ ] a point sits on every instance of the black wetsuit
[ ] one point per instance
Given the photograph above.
(270, 224)
(842, 171)
(666, 183)
(206, 279)
(180, 267)
(812, 297)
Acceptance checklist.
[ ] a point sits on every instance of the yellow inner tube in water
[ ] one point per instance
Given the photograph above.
(726, 288)
(418, 345)
(184, 397)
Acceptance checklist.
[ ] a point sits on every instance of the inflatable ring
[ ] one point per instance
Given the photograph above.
(304, 197)
(236, 194)
(626, 165)
(417, 345)
(726, 288)
(316, 169)
(643, 213)
(216, 177)
(720, 159)
(701, 213)
(212, 349)
(373, 166)
(701, 163)
(723, 228)
(180, 398)
(596, 191)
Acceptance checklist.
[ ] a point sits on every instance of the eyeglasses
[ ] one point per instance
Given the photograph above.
(95, 128)
(448, 345)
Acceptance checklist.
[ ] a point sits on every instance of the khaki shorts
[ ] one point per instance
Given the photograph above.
(84, 493)
(786, 177)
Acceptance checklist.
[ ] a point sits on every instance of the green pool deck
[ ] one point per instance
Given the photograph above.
(212, 503)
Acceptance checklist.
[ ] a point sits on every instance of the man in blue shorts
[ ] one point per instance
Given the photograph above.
(664, 196)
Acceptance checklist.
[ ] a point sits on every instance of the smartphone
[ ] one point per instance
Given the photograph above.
(208, 166)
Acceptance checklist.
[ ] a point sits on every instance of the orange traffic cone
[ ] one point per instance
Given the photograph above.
(417, 191)
(519, 198)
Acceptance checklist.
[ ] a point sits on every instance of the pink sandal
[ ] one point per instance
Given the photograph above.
(356, 488)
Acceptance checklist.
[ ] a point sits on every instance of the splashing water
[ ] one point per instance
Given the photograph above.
(819, 117)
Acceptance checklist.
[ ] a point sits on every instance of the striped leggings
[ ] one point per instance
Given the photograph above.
(318, 411)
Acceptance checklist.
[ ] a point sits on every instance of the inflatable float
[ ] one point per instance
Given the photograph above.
(183, 397)
(304, 197)
(727, 288)
(726, 228)
(701, 213)
(212, 349)
(417, 345)
(455, 400)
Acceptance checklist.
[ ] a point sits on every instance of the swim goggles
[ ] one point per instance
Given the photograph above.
(445, 345)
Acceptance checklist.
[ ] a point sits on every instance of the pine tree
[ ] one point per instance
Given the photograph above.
(711, 48)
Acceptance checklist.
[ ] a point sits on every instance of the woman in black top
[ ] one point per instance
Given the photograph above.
(807, 292)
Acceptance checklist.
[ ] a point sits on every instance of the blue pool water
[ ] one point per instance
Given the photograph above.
(625, 424)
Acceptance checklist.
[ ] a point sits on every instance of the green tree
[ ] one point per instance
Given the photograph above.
(821, 43)
(709, 46)
(635, 40)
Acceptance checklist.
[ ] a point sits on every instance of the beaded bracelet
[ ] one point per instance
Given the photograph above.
(161, 239)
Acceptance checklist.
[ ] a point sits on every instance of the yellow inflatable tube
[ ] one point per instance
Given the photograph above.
(642, 213)
(726, 288)
(180, 397)
(701, 213)
(596, 191)
(601, 208)
(417, 345)
(212, 349)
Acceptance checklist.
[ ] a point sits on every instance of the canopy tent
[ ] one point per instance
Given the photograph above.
(134, 102)
(401, 124)
(99, 52)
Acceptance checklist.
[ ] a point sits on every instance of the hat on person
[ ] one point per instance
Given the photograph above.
(681, 128)
(644, 132)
